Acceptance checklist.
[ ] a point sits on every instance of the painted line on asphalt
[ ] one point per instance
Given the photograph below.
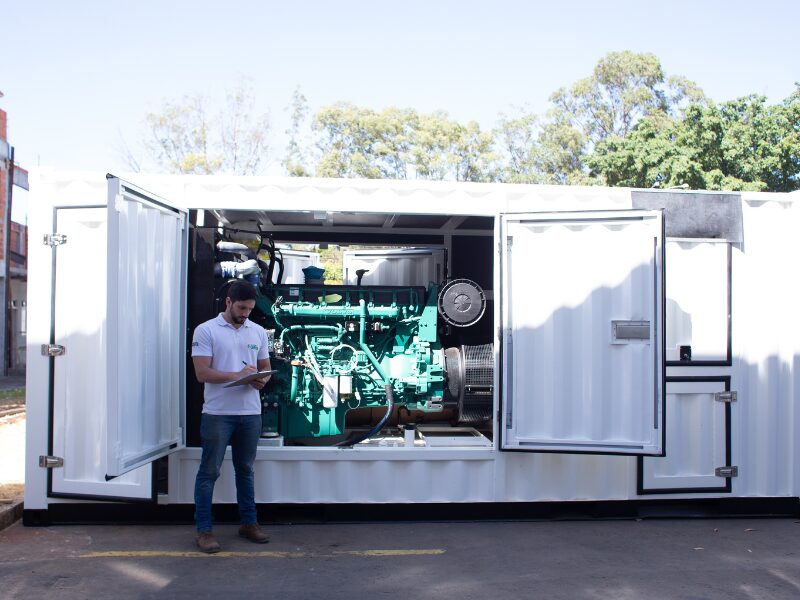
(262, 554)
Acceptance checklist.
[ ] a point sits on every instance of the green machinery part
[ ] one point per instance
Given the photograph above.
(336, 348)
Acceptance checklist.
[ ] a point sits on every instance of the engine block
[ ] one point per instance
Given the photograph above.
(339, 348)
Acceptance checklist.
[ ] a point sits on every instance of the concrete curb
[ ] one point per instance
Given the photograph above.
(10, 513)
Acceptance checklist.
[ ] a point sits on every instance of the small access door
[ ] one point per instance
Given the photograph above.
(118, 337)
(582, 360)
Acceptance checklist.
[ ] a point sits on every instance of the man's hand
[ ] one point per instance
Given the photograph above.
(263, 365)
(260, 383)
(246, 370)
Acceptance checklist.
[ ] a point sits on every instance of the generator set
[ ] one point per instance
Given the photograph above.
(367, 351)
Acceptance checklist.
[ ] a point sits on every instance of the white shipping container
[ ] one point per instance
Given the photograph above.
(645, 343)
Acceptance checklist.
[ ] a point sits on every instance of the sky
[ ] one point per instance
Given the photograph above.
(79, 76)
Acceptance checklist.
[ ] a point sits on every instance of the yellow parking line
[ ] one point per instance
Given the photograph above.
(185, 554)
(392, 552)
(261, 554)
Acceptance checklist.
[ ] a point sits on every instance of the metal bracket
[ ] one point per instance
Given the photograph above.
(53, 350)
(54, 239)
(51, 462)
(726, 471)
(725, 396)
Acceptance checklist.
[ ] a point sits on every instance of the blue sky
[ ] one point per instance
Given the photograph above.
(78, 74)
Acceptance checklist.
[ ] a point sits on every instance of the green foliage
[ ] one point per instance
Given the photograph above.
(331, 260)
(399, 143)
(296, 160)
(623, 88)
(627, 124)
(182, 138)
(743, 144)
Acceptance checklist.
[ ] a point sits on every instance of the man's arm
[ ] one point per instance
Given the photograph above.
(205, 374)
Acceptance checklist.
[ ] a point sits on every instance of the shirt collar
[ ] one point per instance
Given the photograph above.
(220, 320)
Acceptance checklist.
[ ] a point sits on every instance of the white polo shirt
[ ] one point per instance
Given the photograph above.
(228, 348)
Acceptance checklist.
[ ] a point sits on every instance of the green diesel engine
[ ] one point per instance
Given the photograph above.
(341, 348)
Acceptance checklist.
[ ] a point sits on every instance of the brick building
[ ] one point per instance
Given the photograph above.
(13, 260)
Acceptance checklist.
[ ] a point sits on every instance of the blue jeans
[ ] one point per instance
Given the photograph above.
(216, 432)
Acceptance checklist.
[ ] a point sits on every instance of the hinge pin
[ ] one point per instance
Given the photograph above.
(54, 239)
(51, 462)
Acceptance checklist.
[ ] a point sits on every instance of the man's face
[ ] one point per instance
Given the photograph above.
(239, 310)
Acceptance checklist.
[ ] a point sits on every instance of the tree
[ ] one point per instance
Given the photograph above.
(536, 152)
(742, 144)
(296, 160)
(182, 138)
(359, 142)
(400, 143)
(244, 135)
(623, 88)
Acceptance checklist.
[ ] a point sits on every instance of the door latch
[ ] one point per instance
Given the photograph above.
(726, 471)
(725, 396)
(53, 350)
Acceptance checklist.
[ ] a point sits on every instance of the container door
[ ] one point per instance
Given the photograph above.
(147, 249)
(78, 417)
(582, 360)
(118, 314)
(698, 441)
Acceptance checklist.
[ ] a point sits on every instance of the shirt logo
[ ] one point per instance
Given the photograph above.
(252, 347)
(195, 344)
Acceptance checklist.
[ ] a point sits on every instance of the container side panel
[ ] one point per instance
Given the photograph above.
(766, 336)
(395, 267)
(289, 475)
(294, 262)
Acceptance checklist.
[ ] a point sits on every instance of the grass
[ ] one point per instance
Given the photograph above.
(12, 397)
(9, 491)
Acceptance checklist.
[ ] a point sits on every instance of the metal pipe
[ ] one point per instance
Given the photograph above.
(335, 328)
(363, 344)
(295, 378)
(314, 310)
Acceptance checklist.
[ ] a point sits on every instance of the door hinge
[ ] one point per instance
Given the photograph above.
(725, 396)
(51, 462)
(726, 471)
(54, 239)
(53, 350)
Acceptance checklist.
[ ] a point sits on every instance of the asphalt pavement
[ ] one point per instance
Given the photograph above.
(626, 559)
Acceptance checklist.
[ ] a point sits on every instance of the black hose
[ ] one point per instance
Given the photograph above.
(278, 258)
(377, 428)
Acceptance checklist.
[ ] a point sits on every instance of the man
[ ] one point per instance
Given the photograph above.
(224, 350)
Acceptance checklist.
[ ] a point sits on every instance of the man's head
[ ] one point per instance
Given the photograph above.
(239, 301)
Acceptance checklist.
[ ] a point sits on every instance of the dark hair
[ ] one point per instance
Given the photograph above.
(241, 290)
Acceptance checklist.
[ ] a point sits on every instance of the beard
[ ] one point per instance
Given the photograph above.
(238, 320)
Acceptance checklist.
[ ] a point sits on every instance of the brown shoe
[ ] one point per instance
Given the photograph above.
(253, 533)
(206, 543)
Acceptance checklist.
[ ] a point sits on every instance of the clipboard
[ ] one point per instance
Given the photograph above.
(248, 378)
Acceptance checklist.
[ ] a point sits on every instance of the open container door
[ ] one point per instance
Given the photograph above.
(147, 246)
(582, 361)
